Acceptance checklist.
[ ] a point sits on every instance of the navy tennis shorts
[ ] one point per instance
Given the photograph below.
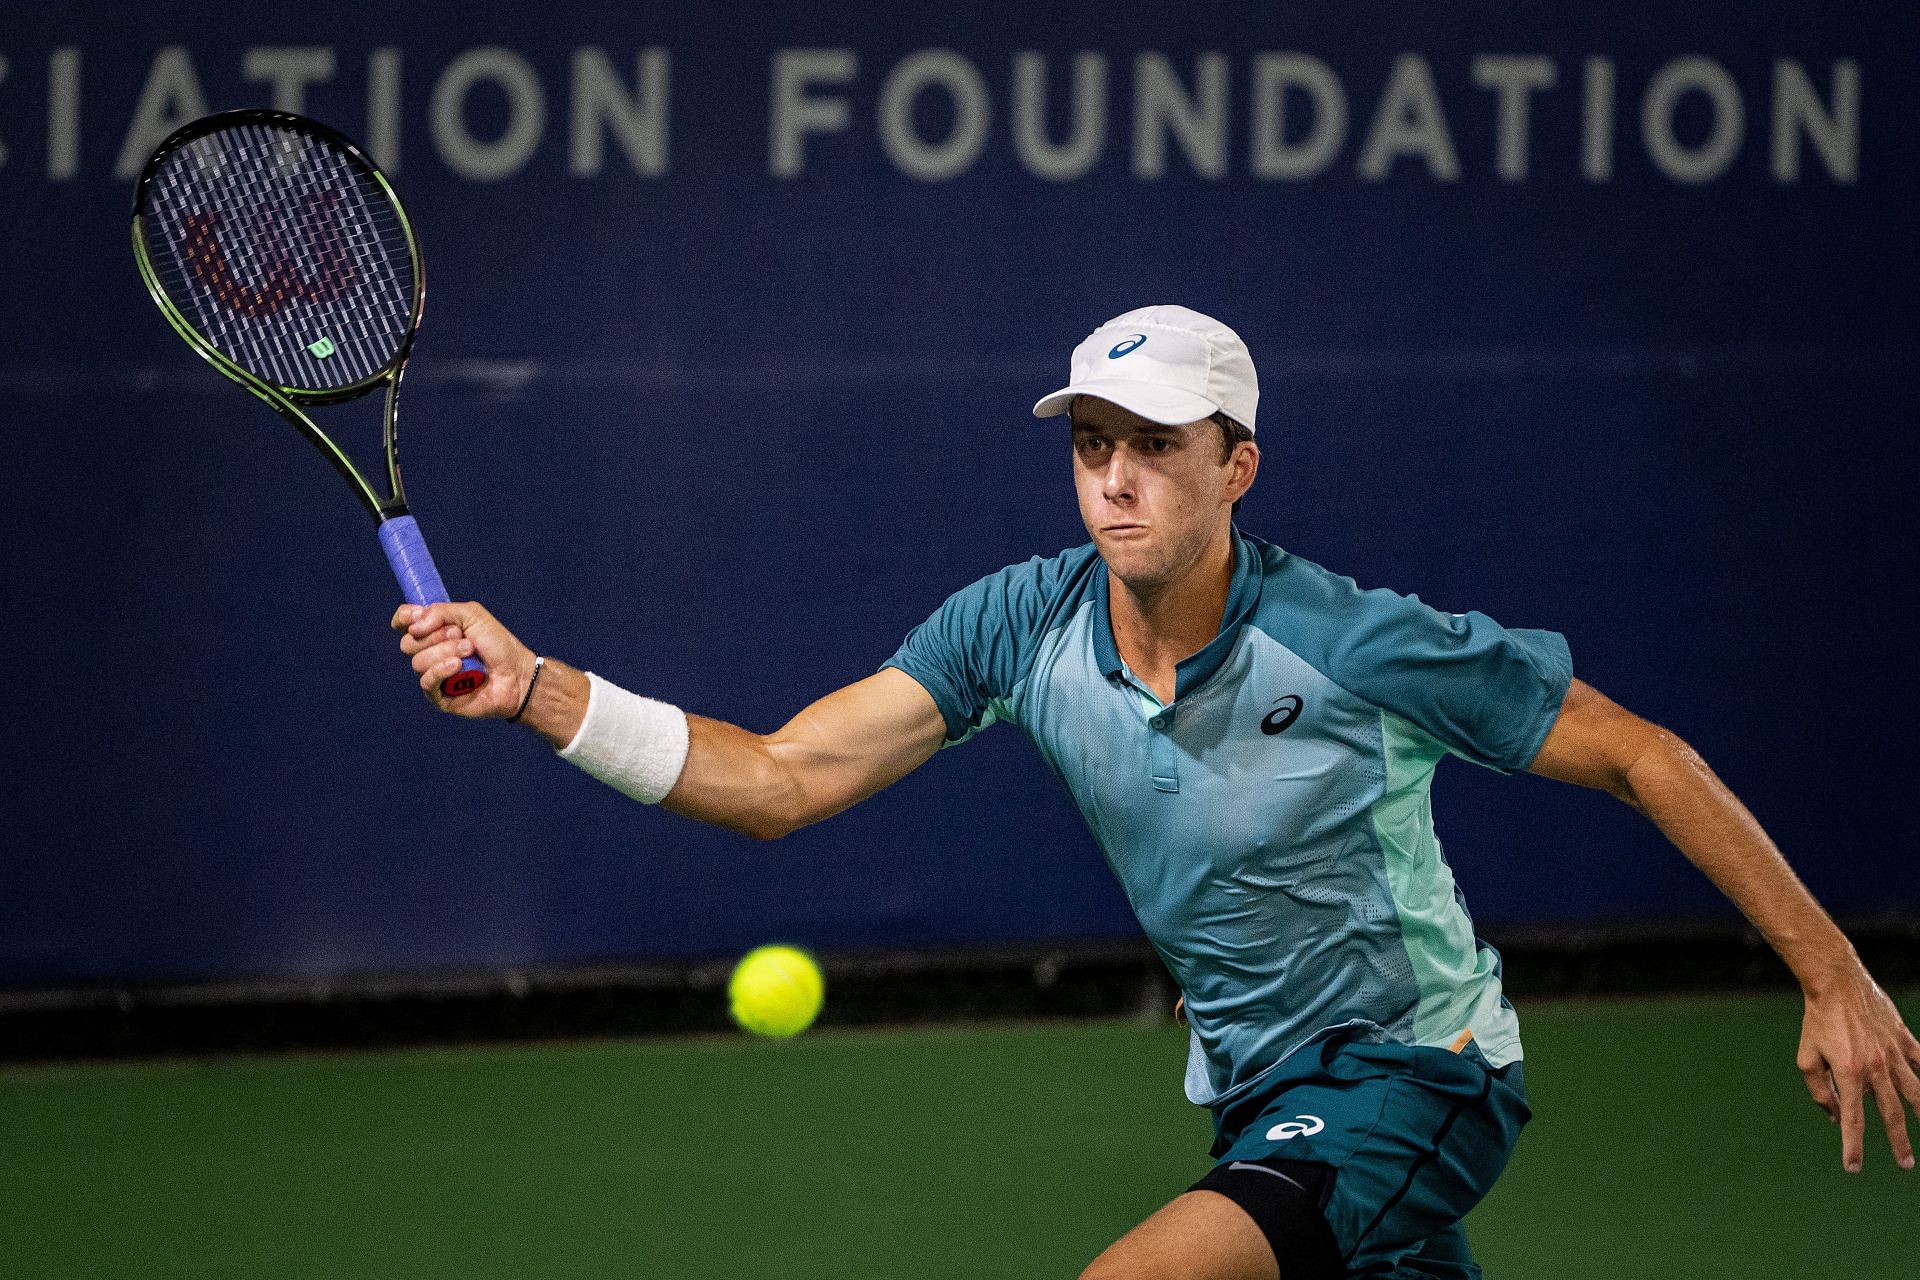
(1363, 1158)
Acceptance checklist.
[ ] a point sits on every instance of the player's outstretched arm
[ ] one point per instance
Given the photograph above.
(1852, 1041)
(835, 753)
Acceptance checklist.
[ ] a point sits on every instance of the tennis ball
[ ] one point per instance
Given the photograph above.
(775, 991)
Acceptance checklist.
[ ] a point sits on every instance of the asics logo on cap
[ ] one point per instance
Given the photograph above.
(1121, 348)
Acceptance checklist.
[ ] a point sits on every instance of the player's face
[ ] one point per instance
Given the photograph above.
(1153, 497)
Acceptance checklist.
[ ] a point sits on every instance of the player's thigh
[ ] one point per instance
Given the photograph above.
(1200, 1235)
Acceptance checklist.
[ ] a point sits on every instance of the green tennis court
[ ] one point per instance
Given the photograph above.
(1671, 1138)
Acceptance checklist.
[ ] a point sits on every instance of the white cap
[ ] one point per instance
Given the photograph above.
(1168, 364)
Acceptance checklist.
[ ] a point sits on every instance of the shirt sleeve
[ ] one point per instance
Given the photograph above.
(1487, 693)
(975, 648)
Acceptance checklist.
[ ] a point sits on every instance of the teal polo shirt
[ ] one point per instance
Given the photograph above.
(1270, 825)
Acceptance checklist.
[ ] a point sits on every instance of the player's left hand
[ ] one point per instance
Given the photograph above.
(1853, 1042)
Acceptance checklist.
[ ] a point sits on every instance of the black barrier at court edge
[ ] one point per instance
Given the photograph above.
(1064, 979)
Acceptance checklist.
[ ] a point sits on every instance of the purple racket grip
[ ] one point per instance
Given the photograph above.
(420, 583)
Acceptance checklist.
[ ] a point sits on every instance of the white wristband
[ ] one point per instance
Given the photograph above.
(633, 744)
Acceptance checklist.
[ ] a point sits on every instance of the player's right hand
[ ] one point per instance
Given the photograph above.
(437, 636)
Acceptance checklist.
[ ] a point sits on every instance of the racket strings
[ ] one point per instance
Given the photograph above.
(284, 254)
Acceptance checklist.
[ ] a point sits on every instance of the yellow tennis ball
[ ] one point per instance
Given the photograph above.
(776, 991)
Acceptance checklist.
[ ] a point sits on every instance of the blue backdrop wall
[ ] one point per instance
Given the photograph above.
(1600, 320)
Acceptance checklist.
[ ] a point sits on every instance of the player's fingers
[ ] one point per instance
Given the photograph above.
(1886, 1099)
(1853, 1117)
(1820, 1085)
(1907, 1084)
(434, 656)
(411, 644)
(434, 675)
(429, 618)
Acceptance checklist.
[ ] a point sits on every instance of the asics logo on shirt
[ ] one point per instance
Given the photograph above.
(1284, 713)
(1121, 348)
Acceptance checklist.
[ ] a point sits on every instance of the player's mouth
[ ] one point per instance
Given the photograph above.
(1123, 530)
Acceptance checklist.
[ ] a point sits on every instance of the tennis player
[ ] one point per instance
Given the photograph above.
(1251, 739)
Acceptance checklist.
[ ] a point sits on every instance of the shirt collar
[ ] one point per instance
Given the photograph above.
(1243, 594)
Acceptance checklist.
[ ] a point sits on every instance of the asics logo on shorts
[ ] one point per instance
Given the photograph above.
(1298, 1127)
(1121, 348)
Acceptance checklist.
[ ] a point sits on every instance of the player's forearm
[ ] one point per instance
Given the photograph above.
(1674, 787)
(731, 778)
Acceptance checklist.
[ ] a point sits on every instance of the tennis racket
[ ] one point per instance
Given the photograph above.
(278, 250)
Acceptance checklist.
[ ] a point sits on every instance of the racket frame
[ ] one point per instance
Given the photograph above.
(286, 401)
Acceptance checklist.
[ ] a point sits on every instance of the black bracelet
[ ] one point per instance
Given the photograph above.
(538, 663)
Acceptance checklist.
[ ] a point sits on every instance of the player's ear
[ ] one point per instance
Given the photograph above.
(1242, 467)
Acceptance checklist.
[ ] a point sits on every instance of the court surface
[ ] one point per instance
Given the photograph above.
(1671, 1138)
